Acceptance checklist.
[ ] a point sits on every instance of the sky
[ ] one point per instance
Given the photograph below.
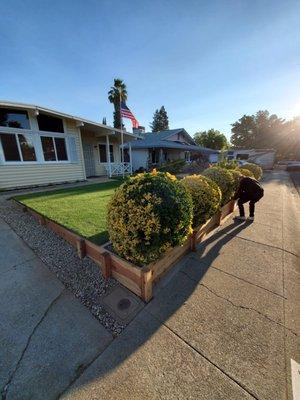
(208, 62)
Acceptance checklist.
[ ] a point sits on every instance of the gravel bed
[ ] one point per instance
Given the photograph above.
(82, 277)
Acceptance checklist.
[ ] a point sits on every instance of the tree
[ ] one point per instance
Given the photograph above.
(243, 132)
(260, 131)
(160, 120)
(212, 139)
(117, 93)
(288, 145)
(265, 131)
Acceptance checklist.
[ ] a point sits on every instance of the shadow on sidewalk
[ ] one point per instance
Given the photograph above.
(137, 334)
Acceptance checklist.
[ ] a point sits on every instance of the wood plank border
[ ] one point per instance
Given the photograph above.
(139, 280)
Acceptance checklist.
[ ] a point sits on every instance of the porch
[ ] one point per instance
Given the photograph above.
(102, 151)
(158, 157)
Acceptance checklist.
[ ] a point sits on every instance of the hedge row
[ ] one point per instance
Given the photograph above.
(152, 212)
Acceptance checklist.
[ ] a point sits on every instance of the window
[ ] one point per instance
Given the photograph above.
(50, 124)
(54, 148)
(10, 147)
(14, 118)
(61, 150)
(242, 156)
(17, 147)
(103, 154)
(27, 148)
(126, 156)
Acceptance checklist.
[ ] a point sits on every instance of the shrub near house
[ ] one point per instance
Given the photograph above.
(255, 169)
(206, 197)
(147, 215)
(237, 175)
(245, 172)
(154, 212)
(224, 179)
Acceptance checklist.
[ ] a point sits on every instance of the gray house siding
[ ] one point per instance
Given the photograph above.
(139, 158)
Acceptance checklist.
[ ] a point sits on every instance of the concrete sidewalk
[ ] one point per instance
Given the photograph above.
(226, 326)
(46, 336)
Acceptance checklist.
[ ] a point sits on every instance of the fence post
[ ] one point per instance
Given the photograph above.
(193, 241)
(106, 265)
(42, 220)
(146, 284)
(81, 250)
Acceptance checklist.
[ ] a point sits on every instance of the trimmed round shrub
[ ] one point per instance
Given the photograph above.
(147, 215)
(206, 197)
(228, 164)
(237, 175)
(224, 179)
(246, 172)
(255, 169)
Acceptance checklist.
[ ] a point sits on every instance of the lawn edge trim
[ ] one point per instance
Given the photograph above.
(139, 280)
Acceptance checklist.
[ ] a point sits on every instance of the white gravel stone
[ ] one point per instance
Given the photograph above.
(82, 277)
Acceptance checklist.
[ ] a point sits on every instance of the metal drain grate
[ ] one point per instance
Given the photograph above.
(123, 304)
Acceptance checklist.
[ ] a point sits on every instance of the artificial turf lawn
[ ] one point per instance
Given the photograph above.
(81, 209)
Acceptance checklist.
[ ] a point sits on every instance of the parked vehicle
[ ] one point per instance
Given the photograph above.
(293, 166)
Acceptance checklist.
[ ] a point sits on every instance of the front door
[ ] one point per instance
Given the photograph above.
(89, 162)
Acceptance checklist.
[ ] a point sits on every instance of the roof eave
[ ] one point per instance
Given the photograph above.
(63, 115)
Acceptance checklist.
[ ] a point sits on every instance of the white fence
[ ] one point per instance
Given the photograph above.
(117, 169)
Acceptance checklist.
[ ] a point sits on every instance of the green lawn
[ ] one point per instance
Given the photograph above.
(81, 209)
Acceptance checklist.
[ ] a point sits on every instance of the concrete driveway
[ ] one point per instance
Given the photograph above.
(226, 325)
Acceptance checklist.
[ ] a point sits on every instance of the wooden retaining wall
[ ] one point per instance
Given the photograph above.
(139, 280)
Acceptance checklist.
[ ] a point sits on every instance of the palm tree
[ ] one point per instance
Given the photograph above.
(117, 92)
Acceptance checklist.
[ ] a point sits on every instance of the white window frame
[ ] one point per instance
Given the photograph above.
(19, 129)
(105, 144)
(2, 155)
(55, 135)
(40, 159)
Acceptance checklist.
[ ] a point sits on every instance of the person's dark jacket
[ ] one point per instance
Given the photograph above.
(249, 188)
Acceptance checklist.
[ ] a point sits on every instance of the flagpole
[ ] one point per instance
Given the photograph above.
(122, 138)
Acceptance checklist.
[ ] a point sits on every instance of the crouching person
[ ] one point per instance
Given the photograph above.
(249, 190)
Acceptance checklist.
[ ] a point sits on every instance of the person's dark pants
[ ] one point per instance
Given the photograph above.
(244, 199)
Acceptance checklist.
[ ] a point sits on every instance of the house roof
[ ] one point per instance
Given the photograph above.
(88, 124)
(165, 134)
(160, 140)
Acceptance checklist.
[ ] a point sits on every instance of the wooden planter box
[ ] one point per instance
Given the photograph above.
(139, 280)
(227, 209)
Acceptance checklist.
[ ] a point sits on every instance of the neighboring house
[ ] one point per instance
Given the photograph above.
(151, 149)
(264, 157)
(39, 146)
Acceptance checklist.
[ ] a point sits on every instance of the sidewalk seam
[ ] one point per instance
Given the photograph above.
(264, 244)
(235, 276)
(250, 283)
(11, 377)
(240, 306)
(82, 370)
(211, 362)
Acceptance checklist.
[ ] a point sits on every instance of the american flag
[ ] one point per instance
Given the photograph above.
(126, 113)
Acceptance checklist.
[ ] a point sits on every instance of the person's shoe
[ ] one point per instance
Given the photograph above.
(250, 219)
(239, 218)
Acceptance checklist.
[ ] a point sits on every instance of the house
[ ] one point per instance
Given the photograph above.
(152, 149)
(39, 146)
(264, 157)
